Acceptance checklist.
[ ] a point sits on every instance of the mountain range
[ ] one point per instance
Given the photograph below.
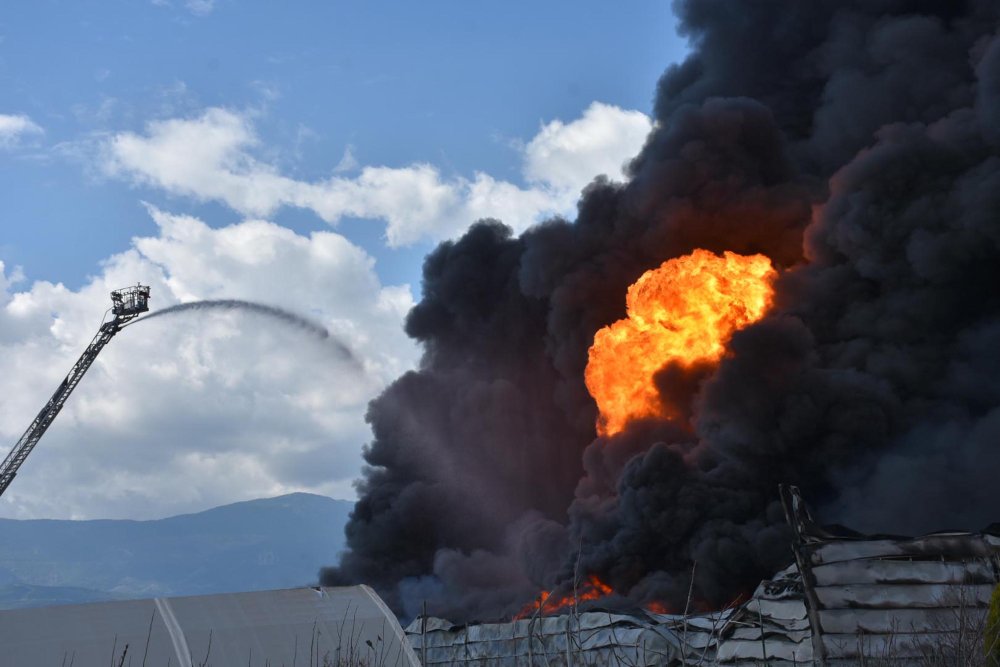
(255, 545)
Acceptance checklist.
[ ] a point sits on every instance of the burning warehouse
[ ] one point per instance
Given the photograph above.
(797, 285)
(847, 599)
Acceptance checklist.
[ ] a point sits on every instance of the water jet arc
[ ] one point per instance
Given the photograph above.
(306, 325)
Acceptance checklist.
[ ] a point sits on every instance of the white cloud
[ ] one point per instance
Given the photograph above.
(182, 413)
(347, 162)
(200, 7)
(197, 7)
(193, 410)
(211, 157)
(15, 127)
(569, 155)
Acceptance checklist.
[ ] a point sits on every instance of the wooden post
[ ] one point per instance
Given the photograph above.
(423, 635)
(569, 643)
(763, 643)
(531, 651)
(797, 518)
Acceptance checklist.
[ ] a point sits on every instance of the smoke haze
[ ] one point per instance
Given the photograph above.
(857, 146)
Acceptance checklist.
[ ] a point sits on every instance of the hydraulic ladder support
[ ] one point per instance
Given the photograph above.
(127, 304)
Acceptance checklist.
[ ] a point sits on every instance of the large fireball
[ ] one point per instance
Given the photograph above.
(685, 312)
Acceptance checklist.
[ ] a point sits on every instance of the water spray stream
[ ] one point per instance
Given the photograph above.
(308, 326)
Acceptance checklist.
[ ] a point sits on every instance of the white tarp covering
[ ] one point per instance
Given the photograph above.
(896, 599)
(300, 626)
(773, 625)
(590, 638)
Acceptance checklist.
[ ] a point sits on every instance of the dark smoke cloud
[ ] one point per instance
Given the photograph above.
(857, 145)
(287, 317)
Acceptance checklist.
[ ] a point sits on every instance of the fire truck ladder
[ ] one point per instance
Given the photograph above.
(126, 304)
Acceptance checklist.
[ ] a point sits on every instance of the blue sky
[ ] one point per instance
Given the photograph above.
(451, 83)
(304, 154)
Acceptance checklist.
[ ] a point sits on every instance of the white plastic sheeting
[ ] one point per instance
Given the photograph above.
(300, 626)
(772, 626)
(695, 636)
(851, 597)
(900, 599)
(590, 638)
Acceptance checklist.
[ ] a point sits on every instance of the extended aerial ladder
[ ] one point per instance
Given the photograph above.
(126, 305)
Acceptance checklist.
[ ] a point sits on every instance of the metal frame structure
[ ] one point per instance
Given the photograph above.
(126, 305)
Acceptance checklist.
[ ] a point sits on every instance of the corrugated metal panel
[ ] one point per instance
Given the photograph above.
(238, 629)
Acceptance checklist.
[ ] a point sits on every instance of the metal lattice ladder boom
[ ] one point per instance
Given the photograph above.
(127, 304)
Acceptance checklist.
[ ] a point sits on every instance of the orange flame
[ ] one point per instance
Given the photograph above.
(658, 607)
(592, 589)
(685, 312)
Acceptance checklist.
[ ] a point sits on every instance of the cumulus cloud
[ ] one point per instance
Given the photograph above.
(14, 127)
(196, 7)
(184, 412)
(212, 157)
(568, 155)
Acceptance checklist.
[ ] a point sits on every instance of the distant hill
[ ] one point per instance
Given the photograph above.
(255, 545)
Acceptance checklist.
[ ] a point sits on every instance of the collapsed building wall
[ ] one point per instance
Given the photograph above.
(900, 598)
(847, 597)
(773, 626)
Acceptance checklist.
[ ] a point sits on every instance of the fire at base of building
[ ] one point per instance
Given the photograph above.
(847, 599)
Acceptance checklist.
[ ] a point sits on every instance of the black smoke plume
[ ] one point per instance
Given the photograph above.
(857, 144)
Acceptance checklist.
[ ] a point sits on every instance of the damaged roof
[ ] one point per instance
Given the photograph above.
(594, 637)
(847, 596)
(900, 597)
